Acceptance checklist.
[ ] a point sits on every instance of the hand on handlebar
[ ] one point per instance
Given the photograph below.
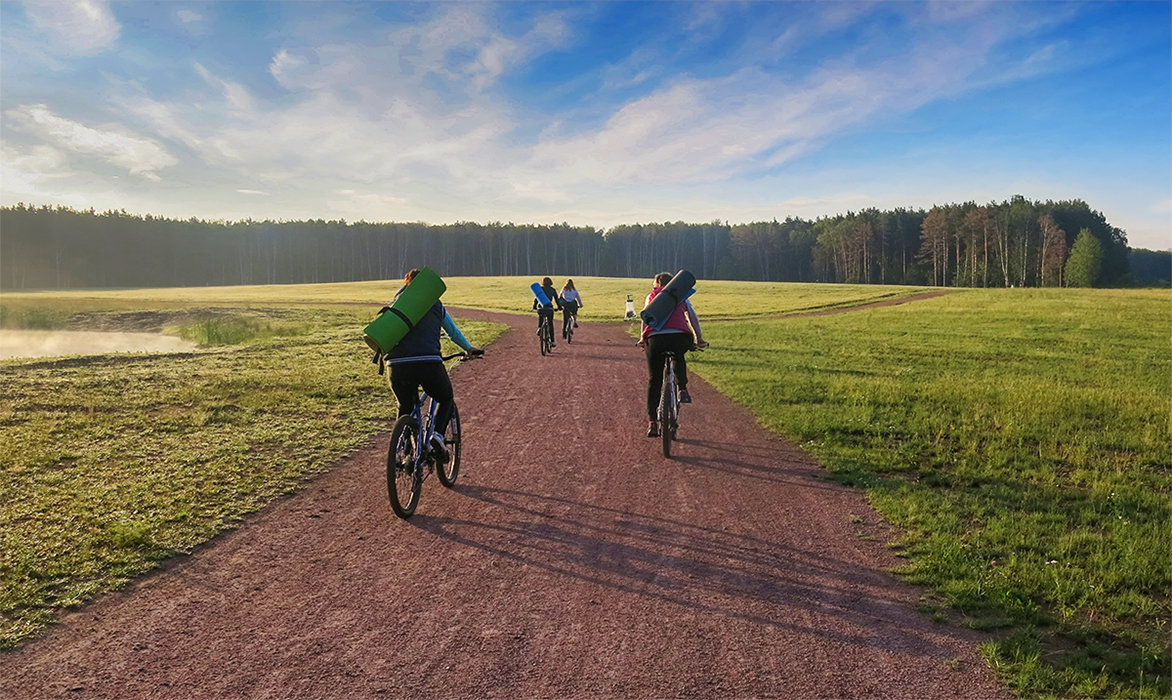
(641, 343)
(473, 352)
(701, 344)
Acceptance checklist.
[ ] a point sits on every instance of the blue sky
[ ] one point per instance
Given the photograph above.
(589, 113)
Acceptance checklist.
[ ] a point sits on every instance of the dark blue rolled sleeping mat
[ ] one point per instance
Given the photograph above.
(673, 293)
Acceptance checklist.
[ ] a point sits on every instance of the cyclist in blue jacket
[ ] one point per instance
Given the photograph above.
(546, 310)
(416, 362)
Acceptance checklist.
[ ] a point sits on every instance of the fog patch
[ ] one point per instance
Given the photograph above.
(22, 343)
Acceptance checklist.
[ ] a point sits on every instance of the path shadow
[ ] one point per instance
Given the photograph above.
(716, 572)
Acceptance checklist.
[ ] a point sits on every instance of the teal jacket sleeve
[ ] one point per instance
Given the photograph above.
(454, 332)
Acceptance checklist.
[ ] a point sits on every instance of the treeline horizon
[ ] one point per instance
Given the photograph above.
(1018, 243)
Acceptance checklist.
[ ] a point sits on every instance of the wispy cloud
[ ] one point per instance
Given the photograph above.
(136, 155)
(419, 111)
(366, 111)
(80, 27)
(28, 173)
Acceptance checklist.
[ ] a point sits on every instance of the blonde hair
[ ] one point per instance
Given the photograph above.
(568, 285)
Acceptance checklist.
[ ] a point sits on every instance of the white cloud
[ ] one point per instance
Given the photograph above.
(412, 122)
(373, 205)
(24, 173)
(189, 16)
(135, 154)
(752, 121)
(43, 161)
(81, 27)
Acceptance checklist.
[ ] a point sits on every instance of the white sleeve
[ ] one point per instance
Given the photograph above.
(694, 320)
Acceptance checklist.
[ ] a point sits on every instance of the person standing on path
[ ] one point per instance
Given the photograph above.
(547, 309)
(680, 333)
(571, 301)
(416, 361)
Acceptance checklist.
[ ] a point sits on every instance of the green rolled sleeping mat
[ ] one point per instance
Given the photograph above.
(388, 329)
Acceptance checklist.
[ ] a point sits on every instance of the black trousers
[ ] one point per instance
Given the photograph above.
(433, 377)
(569, 309)
(679, 343)
(544, 312)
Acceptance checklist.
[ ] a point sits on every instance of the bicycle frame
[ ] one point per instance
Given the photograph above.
(545, 333)
(669, 403)
(568, 324)
(423, 438)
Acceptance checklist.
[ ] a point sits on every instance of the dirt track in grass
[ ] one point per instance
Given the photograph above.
(571, 561)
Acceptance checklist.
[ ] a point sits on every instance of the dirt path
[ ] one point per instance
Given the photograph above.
(571, 561)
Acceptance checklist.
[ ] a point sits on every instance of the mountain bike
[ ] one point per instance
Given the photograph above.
(410, 457)
(545, 332)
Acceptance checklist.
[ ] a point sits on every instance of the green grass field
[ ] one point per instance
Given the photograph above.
(604, 297)
(111, 464)
(1021, 440)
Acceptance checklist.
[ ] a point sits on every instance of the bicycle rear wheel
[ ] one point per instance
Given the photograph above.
(546, 336)
(667, 407)
(568, 329)
(448, 473)
(403, 480)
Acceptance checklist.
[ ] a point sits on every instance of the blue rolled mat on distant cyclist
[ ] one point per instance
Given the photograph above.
(538, 292)
(396, 320)
(674, 293)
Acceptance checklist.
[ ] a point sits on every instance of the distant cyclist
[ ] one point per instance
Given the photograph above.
(571, 300)
(680, 333)
(415, 362)
(544, 310)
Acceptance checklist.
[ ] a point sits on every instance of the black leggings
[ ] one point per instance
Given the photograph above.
(679, 343)
(542, 313)
(406, 379)
(569, 308)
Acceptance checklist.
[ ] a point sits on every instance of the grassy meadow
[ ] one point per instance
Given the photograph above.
(110, 464)
(1020, 440)
(604, 297)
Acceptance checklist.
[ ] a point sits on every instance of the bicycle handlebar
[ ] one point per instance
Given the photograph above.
(695, 347)
(470, 355)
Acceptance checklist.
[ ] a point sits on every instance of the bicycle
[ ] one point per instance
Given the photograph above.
(410, 458)
(669, 403)
(568, 324)
(545, 332)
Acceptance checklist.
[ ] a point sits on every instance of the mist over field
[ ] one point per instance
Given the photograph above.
(34, 343)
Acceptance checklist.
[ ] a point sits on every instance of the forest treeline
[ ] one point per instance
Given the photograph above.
(1015, 243)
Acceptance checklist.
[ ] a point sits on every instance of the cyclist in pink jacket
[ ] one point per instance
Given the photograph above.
(680, 333)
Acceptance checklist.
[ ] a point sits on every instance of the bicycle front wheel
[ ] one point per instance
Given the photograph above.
(447, 473)
(404, 481)
(667, 408)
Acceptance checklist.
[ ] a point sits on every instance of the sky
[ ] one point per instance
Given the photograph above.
(593, 114)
